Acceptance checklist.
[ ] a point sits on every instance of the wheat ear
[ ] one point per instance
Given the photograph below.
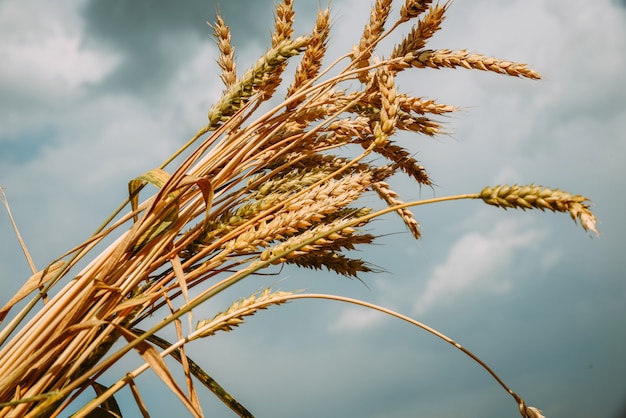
(445, 58)
(539, 197)
(372, 34)
(226, 60)
(311, 62)
(254, 79)
(424, 30)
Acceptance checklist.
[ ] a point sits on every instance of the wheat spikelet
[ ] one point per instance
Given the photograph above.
(369, 104)
(370, 110)
(539, 197)
(350, 130)
(403, 161)
(422, 125)
(295, 179)
(392, 199)
(316, 164)
(318, 108)
(271, 191)
(340, 243)
(331, 195)
(311, 207)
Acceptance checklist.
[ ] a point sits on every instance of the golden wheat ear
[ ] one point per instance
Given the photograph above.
(226, 60)
(539, 197)
(311, 62)
(423, 31)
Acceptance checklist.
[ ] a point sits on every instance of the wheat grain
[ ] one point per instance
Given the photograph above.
(311, 207)
(235, 314)
(296, 246)
(403, 161)
(370, 110)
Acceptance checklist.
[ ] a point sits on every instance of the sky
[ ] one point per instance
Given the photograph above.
(92, 94)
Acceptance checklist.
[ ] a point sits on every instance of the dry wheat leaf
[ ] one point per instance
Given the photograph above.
(133, 302)
(138, 399)
(206, 188)
(101, 412)
(95, 323)
(157, 364)
(36, 280)
(108, 408)
(159, 178)
(201, 375)
(156, 176)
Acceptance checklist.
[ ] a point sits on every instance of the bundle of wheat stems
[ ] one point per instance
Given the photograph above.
(256, 190)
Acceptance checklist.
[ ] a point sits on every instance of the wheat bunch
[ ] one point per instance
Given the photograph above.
(257, 189)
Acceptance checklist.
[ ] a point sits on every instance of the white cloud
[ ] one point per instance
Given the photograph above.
(356, 319)
(64, 60)
(44, 47)
(477, 262)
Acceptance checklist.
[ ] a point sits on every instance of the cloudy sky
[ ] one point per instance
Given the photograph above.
(93, 94)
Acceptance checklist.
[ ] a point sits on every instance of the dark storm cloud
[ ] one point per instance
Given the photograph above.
(157, 37)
